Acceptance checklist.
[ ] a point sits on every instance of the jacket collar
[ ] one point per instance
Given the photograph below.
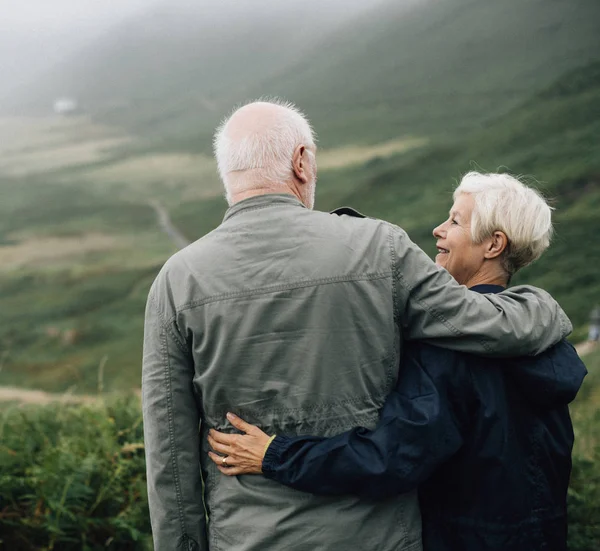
(484, 289)
(262, 201)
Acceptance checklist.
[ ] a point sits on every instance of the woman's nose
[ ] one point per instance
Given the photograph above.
(437, 231)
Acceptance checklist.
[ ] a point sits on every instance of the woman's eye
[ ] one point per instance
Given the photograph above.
(453, 221)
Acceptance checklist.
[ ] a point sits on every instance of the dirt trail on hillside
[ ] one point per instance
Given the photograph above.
(25, 396)
(164, 221)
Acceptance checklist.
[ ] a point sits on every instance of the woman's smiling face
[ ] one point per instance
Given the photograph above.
(456, 251)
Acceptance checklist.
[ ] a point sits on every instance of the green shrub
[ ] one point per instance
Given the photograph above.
(73, 478)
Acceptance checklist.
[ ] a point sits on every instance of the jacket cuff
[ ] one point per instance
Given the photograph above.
(272, 458)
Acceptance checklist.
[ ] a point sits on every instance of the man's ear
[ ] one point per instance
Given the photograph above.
(497, 245)
(299, 165)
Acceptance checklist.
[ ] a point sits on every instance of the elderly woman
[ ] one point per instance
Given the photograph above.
(488, 442)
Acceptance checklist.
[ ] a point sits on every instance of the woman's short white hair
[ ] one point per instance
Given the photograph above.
(503, 203)
(267, 151)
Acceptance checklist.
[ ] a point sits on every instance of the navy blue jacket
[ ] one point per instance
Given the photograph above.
(487, 441)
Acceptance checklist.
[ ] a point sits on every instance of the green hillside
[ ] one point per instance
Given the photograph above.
(445, 67)
(364, 74)
(421, 68)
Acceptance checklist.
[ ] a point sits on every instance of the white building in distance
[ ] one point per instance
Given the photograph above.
(65, 106)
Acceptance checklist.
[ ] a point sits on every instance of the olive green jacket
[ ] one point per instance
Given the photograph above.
(294, 320)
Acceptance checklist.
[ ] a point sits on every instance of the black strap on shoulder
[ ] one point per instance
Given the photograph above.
(349, 211)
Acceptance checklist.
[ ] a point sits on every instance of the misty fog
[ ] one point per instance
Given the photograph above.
(36, 36)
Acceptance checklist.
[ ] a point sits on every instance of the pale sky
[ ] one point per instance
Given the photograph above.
(74, 16)
(38, 34)
(51, 16)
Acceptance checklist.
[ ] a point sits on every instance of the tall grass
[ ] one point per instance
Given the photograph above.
(73, 478)
(584, 491)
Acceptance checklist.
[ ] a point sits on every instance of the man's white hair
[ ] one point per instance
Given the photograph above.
(267, 150)
(503, 203)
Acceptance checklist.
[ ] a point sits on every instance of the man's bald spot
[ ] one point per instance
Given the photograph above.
(255, 118)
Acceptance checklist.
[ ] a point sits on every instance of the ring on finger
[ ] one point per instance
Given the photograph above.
(224, 462)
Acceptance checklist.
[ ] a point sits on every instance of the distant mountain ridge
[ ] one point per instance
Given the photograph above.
(394, 68)
(448, 64)
(182, 55)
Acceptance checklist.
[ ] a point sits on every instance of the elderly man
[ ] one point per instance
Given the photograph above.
(295, 318)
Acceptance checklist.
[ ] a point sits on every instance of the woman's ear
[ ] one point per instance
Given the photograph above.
(497, 245)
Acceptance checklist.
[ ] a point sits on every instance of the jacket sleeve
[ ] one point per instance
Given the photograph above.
(171, 435)
(556, 375)
(419, 429)
(431, 306)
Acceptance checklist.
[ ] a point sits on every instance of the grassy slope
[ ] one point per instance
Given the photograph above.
(60, 318)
